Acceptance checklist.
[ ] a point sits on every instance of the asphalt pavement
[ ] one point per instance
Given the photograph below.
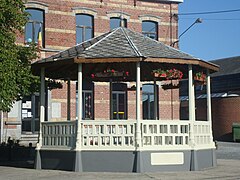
(228, 167)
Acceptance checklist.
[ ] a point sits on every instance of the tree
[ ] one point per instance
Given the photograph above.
(16, 78)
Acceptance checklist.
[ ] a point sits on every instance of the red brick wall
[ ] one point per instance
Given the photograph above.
(169, 104)
(101, 102)
(225, 111)
(60, 95)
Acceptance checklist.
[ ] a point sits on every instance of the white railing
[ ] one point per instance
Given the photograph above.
(114, 134)
(165, 134)
(121, 134)
(202, 133)
(59, 134)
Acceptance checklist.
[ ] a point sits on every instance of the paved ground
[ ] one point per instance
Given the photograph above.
(228, 150)
(228, 168)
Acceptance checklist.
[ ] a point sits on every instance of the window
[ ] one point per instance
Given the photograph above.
(87, 101)
(34, 29)
(30, 114)
(150, 29)
(115, 22)
(119, 101)
(148, 101)
(84, 27)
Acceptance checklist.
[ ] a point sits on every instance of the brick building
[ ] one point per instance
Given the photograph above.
(58, 25)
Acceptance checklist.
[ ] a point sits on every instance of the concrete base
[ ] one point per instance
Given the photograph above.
(126, 161)
(202, 159)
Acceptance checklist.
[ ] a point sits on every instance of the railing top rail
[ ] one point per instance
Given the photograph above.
(59, 122)
(165, 122)
(102, 122)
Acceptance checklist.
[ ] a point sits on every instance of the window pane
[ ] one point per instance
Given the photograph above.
(84, 27)
(79, 35)
(145, 106)
(88, 34)
(116, 22)
(148, 101)
(37, 30)
(150, 29)
(28, 32)
(35, 15)
(87, 105)
(84, 20)
(121, 103)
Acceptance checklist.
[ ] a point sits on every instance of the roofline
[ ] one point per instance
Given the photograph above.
(176, 1)
(196, 62)
(201, 63)
(106, 60)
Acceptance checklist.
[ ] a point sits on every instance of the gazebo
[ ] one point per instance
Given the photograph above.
(124, 145)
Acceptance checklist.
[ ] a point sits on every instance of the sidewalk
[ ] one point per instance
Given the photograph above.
(226, 169)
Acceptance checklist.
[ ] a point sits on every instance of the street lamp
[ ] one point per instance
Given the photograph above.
(198, 20)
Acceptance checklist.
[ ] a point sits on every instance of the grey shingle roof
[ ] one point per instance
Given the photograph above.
(119, 43)
(227, 66)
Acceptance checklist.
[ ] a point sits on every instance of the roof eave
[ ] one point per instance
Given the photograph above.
(204, 64)
(106, 60)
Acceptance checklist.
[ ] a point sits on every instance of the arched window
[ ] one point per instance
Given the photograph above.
(115, 22)
(150, 29)
(148, 99)
(34, 29)
(84, 27)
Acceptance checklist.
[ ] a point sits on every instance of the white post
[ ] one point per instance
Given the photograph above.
(79, 121)
(209, 108)
(1, 119)
(42, 105)
(191, 103)
(155, 100)
(69, 100)
(138, 106)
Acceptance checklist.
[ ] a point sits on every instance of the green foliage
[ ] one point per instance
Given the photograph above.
(16, 79)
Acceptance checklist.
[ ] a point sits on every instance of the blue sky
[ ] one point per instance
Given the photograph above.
(214, 38)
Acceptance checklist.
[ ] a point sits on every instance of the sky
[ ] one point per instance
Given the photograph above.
(218, 36)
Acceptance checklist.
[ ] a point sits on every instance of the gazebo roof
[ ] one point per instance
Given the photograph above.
(119, 45)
